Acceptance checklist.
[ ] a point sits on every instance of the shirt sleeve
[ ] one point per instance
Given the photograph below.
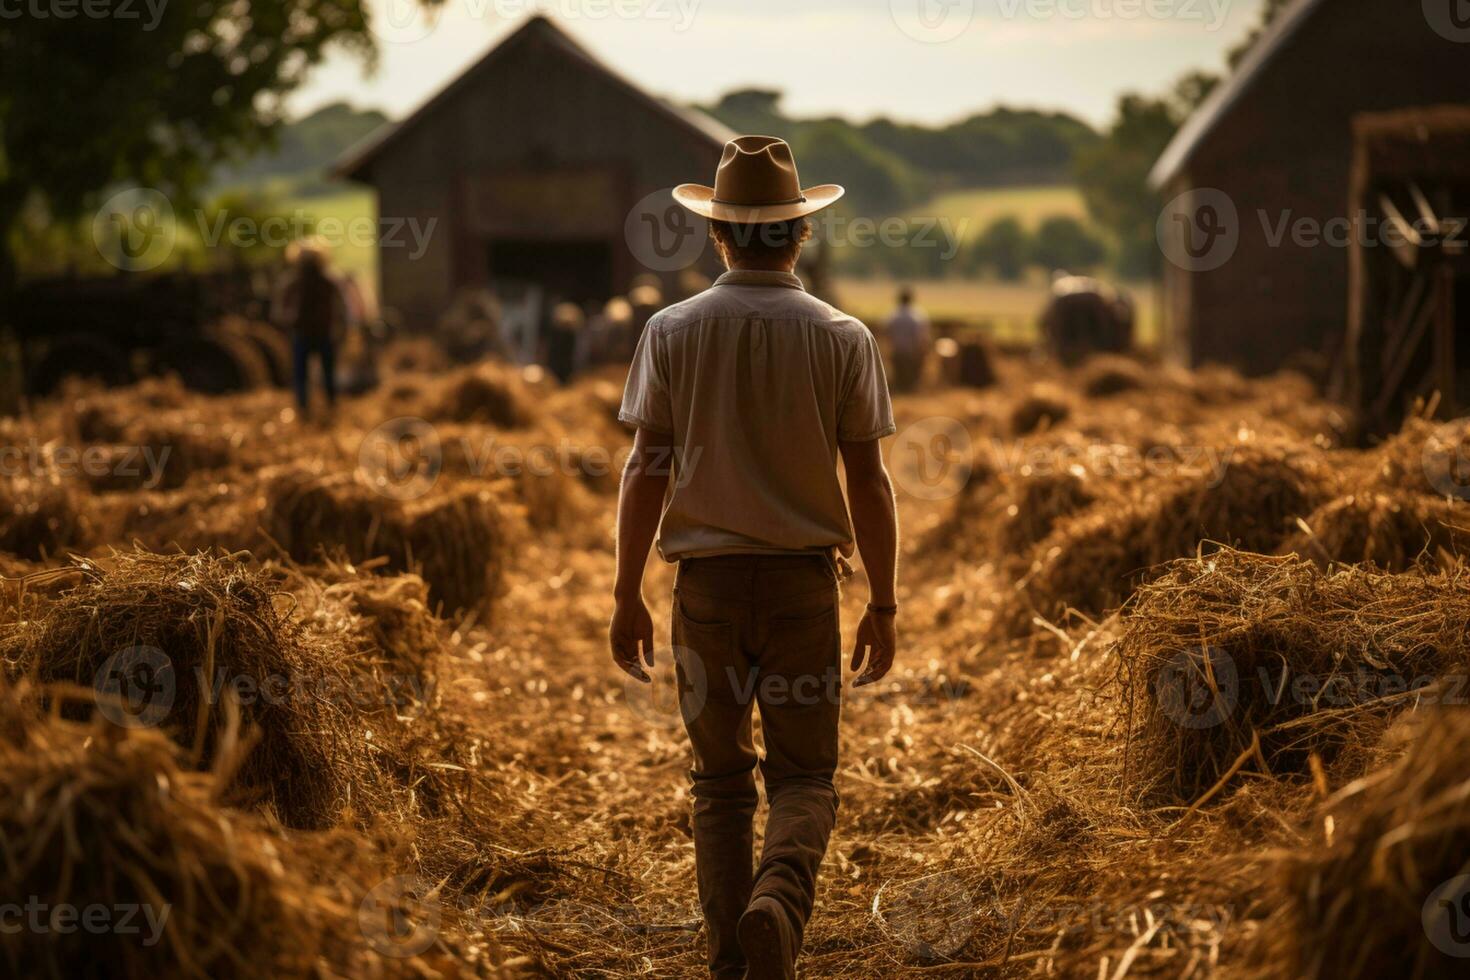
(646, 402)
(867, 412)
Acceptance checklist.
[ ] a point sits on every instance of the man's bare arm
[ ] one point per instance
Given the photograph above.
(640, 503)
(875, 523)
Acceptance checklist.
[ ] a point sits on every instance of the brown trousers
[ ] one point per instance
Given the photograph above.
(758, 630)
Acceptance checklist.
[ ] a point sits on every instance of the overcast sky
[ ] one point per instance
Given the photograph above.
(922, 60)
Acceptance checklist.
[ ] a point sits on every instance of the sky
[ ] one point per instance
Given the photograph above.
(930, 61)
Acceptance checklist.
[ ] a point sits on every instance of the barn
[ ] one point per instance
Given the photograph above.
(539, 168)
(1260, 230)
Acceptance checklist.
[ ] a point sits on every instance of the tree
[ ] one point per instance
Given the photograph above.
(1269, 12)
(156, 99)
(1003, 246)
(1113, 175)
(877, 182)
(1063, 242)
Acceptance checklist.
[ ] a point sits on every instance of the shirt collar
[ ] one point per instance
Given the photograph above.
(760, 277)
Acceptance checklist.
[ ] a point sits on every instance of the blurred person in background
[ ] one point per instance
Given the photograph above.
(312, 307)
(753, 390)
(562, 338)
(646, 297)
(908, 333)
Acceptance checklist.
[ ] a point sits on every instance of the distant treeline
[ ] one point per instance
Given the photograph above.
(889, 166)
(305, 149)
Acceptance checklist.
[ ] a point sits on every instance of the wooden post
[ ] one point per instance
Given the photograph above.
(1444, 338)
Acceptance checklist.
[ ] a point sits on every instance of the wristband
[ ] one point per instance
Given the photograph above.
(883, 610)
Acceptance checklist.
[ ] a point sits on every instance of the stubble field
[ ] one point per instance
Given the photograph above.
(1179, 692)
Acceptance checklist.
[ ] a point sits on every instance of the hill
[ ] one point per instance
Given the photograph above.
(889, 166)
(305, 150)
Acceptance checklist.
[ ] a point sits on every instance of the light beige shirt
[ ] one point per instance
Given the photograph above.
(756, 380)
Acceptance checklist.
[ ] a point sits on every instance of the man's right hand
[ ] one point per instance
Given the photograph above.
(631, 628)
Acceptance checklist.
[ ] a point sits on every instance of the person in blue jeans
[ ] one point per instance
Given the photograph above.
(312, 307)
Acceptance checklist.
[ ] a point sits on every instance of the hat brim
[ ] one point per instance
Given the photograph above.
(700, 199)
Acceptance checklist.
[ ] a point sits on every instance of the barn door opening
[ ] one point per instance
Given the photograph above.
(573, 271)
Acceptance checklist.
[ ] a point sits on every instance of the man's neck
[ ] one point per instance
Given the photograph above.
(786, 267)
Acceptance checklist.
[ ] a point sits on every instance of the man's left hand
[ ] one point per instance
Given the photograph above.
(631, 627)
(877, 635)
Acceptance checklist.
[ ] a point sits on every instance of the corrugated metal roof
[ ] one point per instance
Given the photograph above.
(1223, 99)
(358, 157)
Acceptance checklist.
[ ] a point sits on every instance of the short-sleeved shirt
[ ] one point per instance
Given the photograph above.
(756, 380)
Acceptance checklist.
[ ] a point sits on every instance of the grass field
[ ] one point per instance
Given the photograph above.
(350, 206)
(972, 211)
(1007, 310)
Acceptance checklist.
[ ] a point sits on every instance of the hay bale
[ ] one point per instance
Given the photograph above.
(1105, 376)
(1236, 647)
(416, 354)
(388, 620)
(1092, 562)
(452, 539)
(490, 393)
(162, 638)
(96, 817)
(223, 516)
(1390, 531)
(103, 416)
(40, 518)
(1366, 904)
(157, 455)
(1042, 406)
(1032, 504)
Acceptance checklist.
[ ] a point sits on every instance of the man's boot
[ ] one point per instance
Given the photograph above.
(765, 936)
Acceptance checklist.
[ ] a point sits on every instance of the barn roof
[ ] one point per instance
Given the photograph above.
(1223, 100)
(355, 161)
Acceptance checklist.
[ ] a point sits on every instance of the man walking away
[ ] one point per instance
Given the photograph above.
(312, 308)
(744, 397)
(908, 332)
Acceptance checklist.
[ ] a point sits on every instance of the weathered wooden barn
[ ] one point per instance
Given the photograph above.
(1278, 140)
(529, 164)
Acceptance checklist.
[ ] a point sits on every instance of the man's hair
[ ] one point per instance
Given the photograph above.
(905, 296)
(772, 242)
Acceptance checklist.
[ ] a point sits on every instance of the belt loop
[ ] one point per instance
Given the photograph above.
(841, 567)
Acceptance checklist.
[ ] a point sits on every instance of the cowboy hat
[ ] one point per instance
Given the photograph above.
(756, 183)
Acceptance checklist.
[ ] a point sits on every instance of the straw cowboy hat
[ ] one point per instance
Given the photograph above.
(756, 183)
